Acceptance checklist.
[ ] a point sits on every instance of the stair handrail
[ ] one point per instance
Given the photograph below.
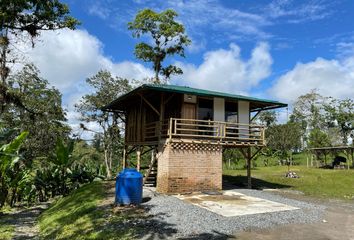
(152, 162)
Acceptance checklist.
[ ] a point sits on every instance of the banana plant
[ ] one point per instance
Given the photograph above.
(9, 157)
(63, 161)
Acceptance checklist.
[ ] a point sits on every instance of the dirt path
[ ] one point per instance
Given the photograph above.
(24, 220)
(337, 224)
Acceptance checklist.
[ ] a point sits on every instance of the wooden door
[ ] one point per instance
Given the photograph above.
(189, 111)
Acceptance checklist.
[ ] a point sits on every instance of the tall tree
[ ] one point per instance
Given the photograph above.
(30, 17)
(168, 37)
(107, 88)
(309, 108)
(308, 112)
(318, 138)
(45, 128)
(267, 118)
(284, 138)
(340, 113)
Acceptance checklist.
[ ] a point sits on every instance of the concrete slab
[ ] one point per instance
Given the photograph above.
(232, 203)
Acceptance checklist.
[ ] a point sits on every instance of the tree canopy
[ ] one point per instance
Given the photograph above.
(107, 88)
(45, 127)
(168, 37)
(340, 113)
(284, 137)
(31, 17)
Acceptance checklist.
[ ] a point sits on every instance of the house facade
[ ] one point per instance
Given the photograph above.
(186, 129)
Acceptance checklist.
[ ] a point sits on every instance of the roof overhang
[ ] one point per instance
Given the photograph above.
(257, 103)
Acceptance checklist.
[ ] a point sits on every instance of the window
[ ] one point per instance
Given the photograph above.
(205, 109)
(231, 110)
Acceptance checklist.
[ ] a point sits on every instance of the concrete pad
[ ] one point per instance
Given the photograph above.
(232, 203)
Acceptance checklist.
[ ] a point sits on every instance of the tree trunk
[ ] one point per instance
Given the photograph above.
(108, 169)
(3, 70)
(13, 197)
(3, 196)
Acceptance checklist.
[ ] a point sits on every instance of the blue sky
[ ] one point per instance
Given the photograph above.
(275, 49)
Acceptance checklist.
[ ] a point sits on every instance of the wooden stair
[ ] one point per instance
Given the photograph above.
(150, 177)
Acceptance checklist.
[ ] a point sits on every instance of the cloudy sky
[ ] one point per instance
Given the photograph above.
(277, 49)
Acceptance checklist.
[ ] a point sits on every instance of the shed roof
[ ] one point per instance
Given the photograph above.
(263, 103)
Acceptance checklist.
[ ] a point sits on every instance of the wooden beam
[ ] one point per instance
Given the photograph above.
(149, 104)
(138, 155)
(124, 156)
(257, 151)
(169, 98)
(255, 115)
(248, 156)
(121, 118)
(151, 148)
(131, 150)
(162, 113)
(249, 178)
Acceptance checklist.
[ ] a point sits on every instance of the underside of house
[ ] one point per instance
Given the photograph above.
(186, 129)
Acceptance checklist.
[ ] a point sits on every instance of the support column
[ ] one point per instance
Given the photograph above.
(138, 155)
(249, 179)
(124, 160)
(162, 113)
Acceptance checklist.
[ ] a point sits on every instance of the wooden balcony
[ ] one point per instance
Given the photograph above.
(203, 132)
(215, 132)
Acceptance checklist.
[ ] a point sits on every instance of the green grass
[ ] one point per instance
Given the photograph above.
(6, 230)
(316, 182)
(78, 216)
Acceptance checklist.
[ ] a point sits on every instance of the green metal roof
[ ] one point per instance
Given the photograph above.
(192, 91)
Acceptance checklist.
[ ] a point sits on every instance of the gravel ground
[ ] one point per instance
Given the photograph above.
(174, 218)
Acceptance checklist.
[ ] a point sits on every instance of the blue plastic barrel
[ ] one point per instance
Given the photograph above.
(129, 187)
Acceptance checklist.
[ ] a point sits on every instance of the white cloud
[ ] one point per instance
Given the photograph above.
(225, 70)
(345, 49)
(98, 9)
(222, 23)
(330, 77)
(296, 12)
(211, 14)
(66, 58)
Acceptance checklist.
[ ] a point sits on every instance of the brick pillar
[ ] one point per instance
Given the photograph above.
(189, 168)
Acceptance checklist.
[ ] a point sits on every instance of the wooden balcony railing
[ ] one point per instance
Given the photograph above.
(225, 133)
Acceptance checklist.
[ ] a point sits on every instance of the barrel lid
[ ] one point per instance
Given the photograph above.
(130, 173)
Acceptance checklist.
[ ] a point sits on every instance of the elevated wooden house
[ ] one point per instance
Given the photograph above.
(187, 130)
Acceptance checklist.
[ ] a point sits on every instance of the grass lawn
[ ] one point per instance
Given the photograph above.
(80, 216)
(322, 183)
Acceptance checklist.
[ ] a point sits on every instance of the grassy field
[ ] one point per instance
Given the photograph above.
(80, 216)
(322, 183)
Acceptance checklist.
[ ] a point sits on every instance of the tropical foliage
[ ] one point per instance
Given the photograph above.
(107, 88)
(13, 181)
(29, 17)
(168, 37)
